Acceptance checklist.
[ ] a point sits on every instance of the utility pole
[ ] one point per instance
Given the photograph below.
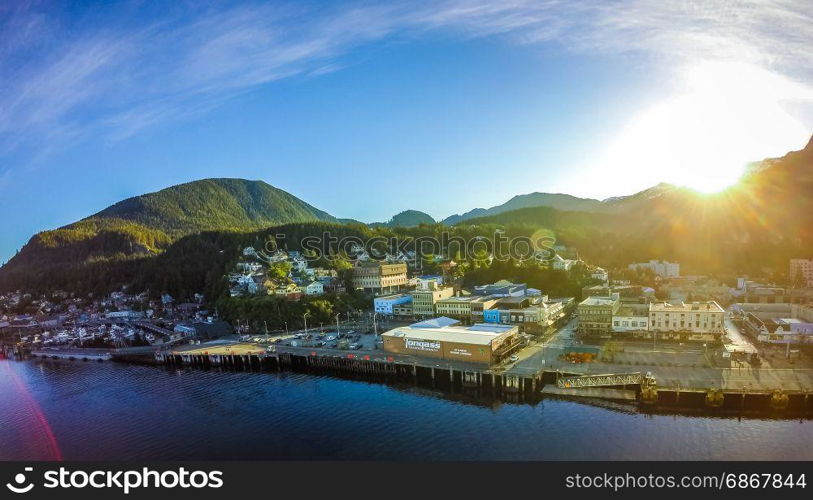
(266, 330)
(337, 325)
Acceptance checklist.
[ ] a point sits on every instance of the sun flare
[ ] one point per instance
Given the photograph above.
(729, 114)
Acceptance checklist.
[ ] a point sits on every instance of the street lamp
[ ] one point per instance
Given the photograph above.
(305, 318)
(286, 328)
(337, 325)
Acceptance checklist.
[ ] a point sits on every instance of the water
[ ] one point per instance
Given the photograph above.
(108, 411)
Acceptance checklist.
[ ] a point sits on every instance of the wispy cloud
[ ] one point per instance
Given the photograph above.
(64, 79)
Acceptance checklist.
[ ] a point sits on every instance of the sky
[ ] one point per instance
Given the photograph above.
(365, 109)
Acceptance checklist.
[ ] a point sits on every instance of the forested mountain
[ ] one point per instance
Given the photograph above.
(407, 218)
(213, 204)
(552, 200)
(180, 238)
(753, 226)
(146, 225)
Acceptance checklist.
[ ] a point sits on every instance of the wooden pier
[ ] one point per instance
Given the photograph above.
(74, 354)
(474, 382)
(486, 383)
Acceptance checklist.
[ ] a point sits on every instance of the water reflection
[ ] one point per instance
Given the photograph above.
(116, 411)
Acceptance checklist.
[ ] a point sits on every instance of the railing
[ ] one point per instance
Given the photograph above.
(599, 380)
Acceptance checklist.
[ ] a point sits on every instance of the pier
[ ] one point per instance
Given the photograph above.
(73, 354)
(518, 386)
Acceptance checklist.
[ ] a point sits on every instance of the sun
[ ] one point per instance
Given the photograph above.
(729, 114)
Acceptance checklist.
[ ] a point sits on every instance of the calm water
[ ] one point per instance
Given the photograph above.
(96, 411)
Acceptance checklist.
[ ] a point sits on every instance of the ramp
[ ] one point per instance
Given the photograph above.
(604, 380)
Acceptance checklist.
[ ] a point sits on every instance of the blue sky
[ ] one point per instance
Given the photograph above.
(365, 109)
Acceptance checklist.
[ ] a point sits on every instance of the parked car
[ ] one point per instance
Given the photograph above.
(514, 358)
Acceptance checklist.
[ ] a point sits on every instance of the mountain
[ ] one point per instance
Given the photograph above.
(407, 218)
(213, 204)
(410, 218)
(757, 224)
(554, 200)
(145, 225)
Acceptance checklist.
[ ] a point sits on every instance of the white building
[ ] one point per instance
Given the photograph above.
(692, 321)
(561, 264)
(384, 305)
(631, 318)
(801, 270)
(661, 268)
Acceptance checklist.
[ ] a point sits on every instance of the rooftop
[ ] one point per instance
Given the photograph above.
(710, 306)
(393, 296)
(633, 310)
(597, 301)
(449, 330)
(468, 298)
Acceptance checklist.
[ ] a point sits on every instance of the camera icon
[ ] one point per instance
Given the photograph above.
(19, 485)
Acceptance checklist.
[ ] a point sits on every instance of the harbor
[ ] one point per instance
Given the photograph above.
(113, 410)
(657, 376)
(774, 391)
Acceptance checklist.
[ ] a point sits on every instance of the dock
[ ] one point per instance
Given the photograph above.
(73, 354)
(779, 391)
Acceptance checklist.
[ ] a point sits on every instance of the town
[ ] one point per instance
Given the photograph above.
(687, 332)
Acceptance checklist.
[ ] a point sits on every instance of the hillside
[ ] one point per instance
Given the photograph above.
(213, 204)
(754, 226)
(553, 200)
(145, 225)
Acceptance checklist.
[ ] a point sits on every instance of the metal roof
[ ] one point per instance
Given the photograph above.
(479, 334)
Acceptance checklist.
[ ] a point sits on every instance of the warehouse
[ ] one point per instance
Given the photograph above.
(444, 338)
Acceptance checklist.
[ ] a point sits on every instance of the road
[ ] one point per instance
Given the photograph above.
(737, 338)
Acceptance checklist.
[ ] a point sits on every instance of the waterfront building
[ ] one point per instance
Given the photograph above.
(426, 296)
(687, 321)
(663, 269)
(385, 305)
(379, 277)
(532, 314)
(793, 331)
(445, 338)
(631, 318)
(464, 309)
(596, 316)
